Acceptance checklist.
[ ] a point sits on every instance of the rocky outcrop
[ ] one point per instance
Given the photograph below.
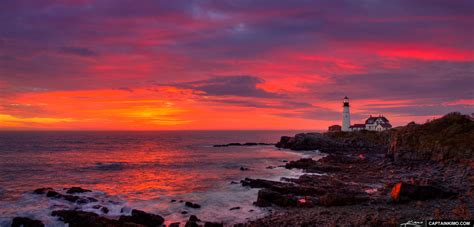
(142, 218)
(192, 205)
(76, 218)
(309, 141)
(243, 144)
(74, 190)
(448, 138)
(51, 193)
(404, 192)
(26, 222)
(336, 142)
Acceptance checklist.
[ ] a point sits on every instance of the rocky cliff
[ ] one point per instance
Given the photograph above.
(448, 138)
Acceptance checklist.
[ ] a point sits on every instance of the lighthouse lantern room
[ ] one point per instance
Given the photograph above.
(346, 116)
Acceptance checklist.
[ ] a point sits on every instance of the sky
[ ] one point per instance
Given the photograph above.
(231, 64)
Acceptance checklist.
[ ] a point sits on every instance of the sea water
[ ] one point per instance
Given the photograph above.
(139, 170)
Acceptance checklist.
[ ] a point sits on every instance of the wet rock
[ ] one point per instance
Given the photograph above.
(191, 224)
(192, 205)
(82, 218)
(143, 218)
(26, 222)
(235, 208)
(53, 194)
(243, 144)
(259, 183)
(174, 224)
(184, 212)
(403, 192)
(304, 163)
(234, 182)
(74, 190)
(267, 197)
(213, 224)
(194, 218)
(42, 190)
(70, 198)
(104, 210)
(243, 168)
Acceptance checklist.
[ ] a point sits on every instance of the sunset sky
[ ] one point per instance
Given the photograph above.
(230, 64)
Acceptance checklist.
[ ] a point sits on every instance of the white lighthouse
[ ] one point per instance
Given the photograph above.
(346, 116)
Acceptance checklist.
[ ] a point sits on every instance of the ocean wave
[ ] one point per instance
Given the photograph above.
(111, 166)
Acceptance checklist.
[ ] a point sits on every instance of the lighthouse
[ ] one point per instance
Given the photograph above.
(346, 116)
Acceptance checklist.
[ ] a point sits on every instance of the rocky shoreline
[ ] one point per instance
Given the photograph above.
(415, 172)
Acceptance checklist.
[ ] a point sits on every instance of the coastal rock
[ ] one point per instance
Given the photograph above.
(403, 192)
(26, 222)
(235, 208)
(192, 205)
(243, 144)
(83, 218)
(194, 218)
(266, 197)
(243, 168)
(143, 218)
(260, 183)
(213, 224)
(192, 222)
(74, 190)
(309, 141)
(448, 138)
(42, 190)
(174, 224)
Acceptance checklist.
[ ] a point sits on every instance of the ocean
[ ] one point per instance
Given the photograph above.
(139, 170)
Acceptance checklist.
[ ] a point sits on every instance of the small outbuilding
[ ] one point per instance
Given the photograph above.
(334, 128)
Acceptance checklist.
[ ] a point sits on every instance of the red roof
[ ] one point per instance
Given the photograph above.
(357, 126)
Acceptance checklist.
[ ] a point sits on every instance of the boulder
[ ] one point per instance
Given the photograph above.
(267, 197)
(194, 218)
(192, 205)
(26, 222)
(42, 190)
(143, 218)
(74, 190)
(213, 224)
(403, 192)
(77, 218)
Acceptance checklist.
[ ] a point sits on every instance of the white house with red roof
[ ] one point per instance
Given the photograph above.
(379, 123)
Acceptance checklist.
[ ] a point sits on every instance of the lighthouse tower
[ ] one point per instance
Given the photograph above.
(346, 116)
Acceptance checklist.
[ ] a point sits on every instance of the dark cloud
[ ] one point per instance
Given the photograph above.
(79, 51)
(429, 80)
(318, 113)
(279, 104)
(425, 110)
(245, 86)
